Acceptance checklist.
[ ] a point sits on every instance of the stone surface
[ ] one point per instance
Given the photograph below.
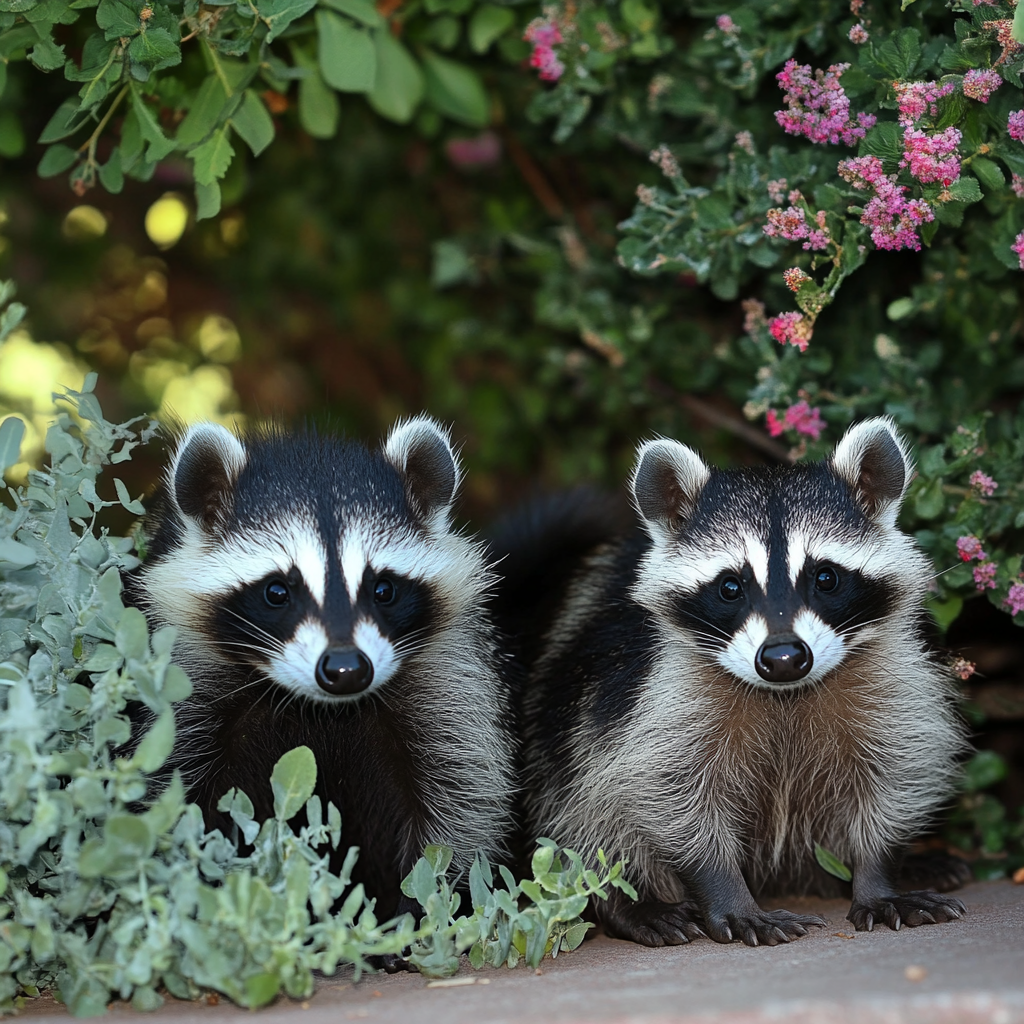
(964, 971)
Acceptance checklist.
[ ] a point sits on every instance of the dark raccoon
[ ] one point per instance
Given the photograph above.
(322, 598)
(740, 680)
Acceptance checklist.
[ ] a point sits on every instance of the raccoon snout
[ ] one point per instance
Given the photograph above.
(783, 659)
(344, 670)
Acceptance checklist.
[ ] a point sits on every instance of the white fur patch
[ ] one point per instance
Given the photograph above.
(382, 654)
(757, 557)
(738, 656)
(827, 647)
(353, 562)
(295, 667)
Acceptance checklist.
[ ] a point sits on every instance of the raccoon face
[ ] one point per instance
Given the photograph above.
(778, 575)
(316, 565)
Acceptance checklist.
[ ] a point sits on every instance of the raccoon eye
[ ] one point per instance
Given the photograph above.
(276, 594)
(730, 589)
(384, 591)
(826, 578)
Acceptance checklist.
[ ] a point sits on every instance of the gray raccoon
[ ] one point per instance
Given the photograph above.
(740, 681)
(321, 597)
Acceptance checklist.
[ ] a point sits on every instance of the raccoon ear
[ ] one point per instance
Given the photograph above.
(420, 449)
(666, 483)
(873, 459)
(203, 470)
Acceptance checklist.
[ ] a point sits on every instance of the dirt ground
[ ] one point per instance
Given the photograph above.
(963, 972)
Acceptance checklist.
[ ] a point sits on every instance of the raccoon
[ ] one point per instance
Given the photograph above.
(321, 597)
(739, 680)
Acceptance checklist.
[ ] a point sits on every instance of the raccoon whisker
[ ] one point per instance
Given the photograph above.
(256, 630)
(942, 572)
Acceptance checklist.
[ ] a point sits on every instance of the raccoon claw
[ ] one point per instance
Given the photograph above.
(655, 924)
(763, 927)
(908, 908)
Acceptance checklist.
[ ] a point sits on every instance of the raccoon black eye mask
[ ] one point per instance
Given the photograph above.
(322, 598)
(740, 679)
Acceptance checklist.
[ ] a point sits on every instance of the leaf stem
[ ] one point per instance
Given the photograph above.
(90, 143)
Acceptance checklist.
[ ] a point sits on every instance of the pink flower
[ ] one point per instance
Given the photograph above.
(984, 483)
(725, 24)
(792, 329)
(858, 34)
(1003, 29)
(753, 317)
(544, 34)
(985, 576)
(1015, 125)
(915, 99)
(800, 417)
(773, 423)
(970, 547)
(963, 668)
(777, 188)
(1018, 248)
(817, 107)
(893, 219)
(1015, 598)
(662, 156)
(1017, 184)
(794, 278)
(746, 142)
(483, 150)
(979, 85)
(792, 225)
(932, 156)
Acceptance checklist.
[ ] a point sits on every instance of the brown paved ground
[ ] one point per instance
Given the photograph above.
(963, 972)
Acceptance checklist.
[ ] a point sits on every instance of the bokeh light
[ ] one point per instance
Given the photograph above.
(84, 223)
(166, 220)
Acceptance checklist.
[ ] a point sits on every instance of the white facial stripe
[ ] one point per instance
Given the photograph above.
(295, 667)
(690, 573)
(353, 562)
(874, 556)
(738, 656)
(827, 646)
(407, 554)
(757, 556)
(796, 556)
(381, 652)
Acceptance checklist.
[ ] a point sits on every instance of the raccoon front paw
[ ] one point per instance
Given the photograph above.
(655, 924)
(392, 963)
(908, 908)
(762, 927)
(934, 869)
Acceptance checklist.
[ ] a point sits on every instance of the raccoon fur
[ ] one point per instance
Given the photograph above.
(740, 680)
(321, 597)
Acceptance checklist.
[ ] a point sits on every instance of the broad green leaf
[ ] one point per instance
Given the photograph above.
(135, 507)
(56, 160)
(159, 145)
(253, 122)
(260, 989)
(156, 745)
(398, 89)
(487, 24)
(132, 635)
(831, 863)
(989, 173)
(1017, 28)
(155, 48)
(360, 10)
(348, 60)
(455, 90)
(966, 189)
(213, 157)
(279, 14)
(111, 174)
(207, 200)
(47, 55)
(117, 18)
(12, 430)
(204, 114)
(319, 109)
(65, 121)
(16, 554)
(293, 781)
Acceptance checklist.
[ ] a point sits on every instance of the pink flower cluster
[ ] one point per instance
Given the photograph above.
(858, 34)
(983, 483)
(817, 106)
(800, 417)
(545, 35)
(985, 576)
(1017, 184)
(970, 547)
(725, 24)
(1018, 248)
(1015, 125)
(792, 225)
(932, 156)
(894, 220)
(791, 329)
(980, 84)
(915, 99)
(794, 278)
(985, 572)
(963, 668)
(1014, 599)
(777, 188)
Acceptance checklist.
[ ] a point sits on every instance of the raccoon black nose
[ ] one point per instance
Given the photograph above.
(344, 670)
(783, 660)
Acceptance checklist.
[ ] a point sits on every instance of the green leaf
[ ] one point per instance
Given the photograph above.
(318, 107)
(946, 612)
(117, 18)
(398, 88)
(966, 189)
(831, 863)
(65, 121)
(204, 114)
(253, 123)
(360, 10)
(56, 160)
(151, 132)
(135, 507)
(487, 24)
(1017, 28)
(455, 90)
(989, 173)
(132, 635)
(12, 430)
(261, 989)
(155, 48)
(293, 781)
(279, 14)
(348, 60)
(157, 744)
(213, 158)
(111, 174)
(47, 55)
(207, 200)
(930, 500)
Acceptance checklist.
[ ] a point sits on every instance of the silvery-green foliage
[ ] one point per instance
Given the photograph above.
(525, 920)
(110, 886)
